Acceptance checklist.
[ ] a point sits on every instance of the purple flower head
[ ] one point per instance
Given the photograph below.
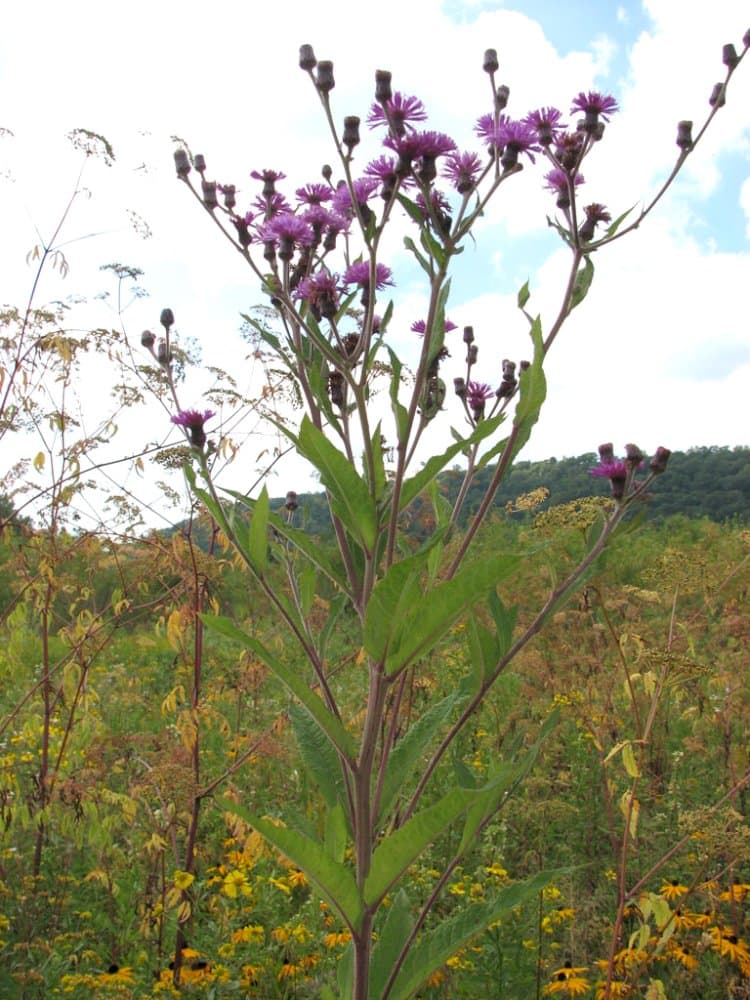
(417, 145)
(364, 188)
(614, 469)
(269, 178)
(402, 110)
(546, 123)
(314, 194)
(193, 421)
(568, 149)
(274, 204)
(462, 170)
(321, 292)
(419, 327)
(287, 231)
(516, 137)
(486, 127)
(267, 175)
(559, 180)
(358, 273)
(477, 394)
(595, 213)
(594, 106)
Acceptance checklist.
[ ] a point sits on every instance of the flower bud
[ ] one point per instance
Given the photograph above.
(383, 91)
(148, 340)
(468, 334)
(633, 455)
(291, 503)
(472, 354)
(459, 385)
(524, 365)
(718, 96)
(182, 163)
(501, 97)
(490, 64)
(307, 60)
(658, 463)
(209, 195)
(729, 56)
(606, 453)
(167, 318)
(350, 138)
(746, 39)
(163, 356)
(229, 192)
(199, 162)
(685, 135)
(327, 172)
(324, 80)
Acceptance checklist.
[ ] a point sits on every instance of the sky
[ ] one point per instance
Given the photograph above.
(659, 353)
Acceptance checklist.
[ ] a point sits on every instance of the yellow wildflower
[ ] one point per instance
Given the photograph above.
(568, 981)
(235, 883)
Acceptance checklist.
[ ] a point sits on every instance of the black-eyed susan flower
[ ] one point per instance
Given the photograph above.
(673, 889)
(569, 981)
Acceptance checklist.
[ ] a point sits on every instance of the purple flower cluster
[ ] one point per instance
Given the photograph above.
(192, 421)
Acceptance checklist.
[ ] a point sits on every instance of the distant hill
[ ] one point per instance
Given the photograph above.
(702, 482)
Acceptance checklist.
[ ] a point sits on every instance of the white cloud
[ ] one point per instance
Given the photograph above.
(633, 363)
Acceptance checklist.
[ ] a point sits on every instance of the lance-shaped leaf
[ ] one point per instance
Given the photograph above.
(532, 391)
(257, 535)
(582, 283)
(412, 487)
(433, 613)
(318, 755)
(397, 927)
(398, 850)
(314, 552)
(407, 753)
(334, 881)
(350, 498)
(330, 725)
(389, 604)
(433, 948)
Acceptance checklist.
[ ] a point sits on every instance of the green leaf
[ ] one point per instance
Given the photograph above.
(345, 973)
(336, 830)
(411, 208)
(389, 603)
(532, 391)
(619, 221)
(400, 413)
(379, 480)
(332, 727)
(582, 283)
(433, 613)
(257, 537)
(431, 245)
(396, 928)
(423, 262)
(318, 755)
(523, 295)
(333, 880)
(505, 621)
(398, 850)
(350, 498)
(414, 486)
(433, 948)
(408, 751)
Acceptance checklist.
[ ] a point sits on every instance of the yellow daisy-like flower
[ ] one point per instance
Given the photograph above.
(337, 939)
(183, 880)
(289, 970)
(735, 893)
(235, 883)
(678, 953)
(496, 871)
(251, 934)
(568, 981)
(673, 889)
(617, 989)
(121, 976)
(726, 943)
(296, 878)
(280, 883)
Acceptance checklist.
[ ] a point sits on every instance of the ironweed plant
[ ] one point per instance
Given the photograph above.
(390, 780)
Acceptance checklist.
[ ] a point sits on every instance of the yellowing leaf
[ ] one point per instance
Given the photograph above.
(39, 461)
(629, 762)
